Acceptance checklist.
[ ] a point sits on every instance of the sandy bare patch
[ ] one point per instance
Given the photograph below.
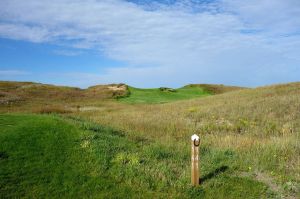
(117, 88)
(90, 108)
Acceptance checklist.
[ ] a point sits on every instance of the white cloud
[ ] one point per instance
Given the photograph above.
(22, 32)
(226, 41)
(275, 16)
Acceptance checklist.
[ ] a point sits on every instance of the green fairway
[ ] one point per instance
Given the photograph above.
(157, 95)
(50, 157)
(45, 157)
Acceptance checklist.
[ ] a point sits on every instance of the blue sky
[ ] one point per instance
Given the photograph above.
(150, 43)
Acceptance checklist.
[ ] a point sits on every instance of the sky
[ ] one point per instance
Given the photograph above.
(147, 43)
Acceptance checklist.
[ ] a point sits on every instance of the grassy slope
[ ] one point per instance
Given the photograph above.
(46, 157)
(20, 92)
(216, 88)
(260, 126)
(44, 98)
(138, 95)
(64, 99)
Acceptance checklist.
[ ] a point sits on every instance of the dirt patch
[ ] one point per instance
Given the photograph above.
(90, 108)
(117, 88)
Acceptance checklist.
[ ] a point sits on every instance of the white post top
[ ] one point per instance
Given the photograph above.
(195, 137)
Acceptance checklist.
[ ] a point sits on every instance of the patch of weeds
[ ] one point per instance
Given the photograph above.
(271, 128)
(50, 109)
(195, 192)
(89, 126)
(158, 152)
(192, 109)
(291, 187)
(127, 159)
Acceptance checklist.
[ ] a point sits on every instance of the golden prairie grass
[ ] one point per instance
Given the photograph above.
(262, 125)
(14, 92)
(262, 112)
(216, 88)
(57, 109)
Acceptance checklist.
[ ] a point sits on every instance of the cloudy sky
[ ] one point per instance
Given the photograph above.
(150, 43)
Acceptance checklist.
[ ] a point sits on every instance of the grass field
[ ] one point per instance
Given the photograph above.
(250, 146)
(50, 157)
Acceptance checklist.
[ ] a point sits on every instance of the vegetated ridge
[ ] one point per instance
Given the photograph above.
(216, 88)
(15, 92)
(249, 147)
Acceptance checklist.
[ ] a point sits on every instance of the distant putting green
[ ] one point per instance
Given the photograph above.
(156, 95)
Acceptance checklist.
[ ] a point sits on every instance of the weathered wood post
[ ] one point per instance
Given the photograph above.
(195, 160)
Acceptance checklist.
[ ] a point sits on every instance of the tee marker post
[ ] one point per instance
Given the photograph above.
(195, 141)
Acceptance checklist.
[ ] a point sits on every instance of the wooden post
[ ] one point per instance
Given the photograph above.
(195, 160)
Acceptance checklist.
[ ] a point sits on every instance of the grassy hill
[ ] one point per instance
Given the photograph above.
(19, 92)
(249, 145)
(162, 95)
(215, 88)
(260, 127)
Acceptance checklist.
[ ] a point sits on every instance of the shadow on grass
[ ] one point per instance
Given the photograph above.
(213, 174)
(3, 155)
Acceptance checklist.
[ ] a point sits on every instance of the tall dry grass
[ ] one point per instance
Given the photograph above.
(262, 125)
(15, 93)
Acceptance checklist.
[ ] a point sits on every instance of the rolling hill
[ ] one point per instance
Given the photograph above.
(18, 92)
(249, 148)
(14, 92)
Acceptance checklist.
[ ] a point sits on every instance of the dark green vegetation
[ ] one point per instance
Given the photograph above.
(53, 157)
(163, 95)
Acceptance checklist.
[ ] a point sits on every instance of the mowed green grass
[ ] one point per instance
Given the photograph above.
(45, 157)
(53, 157)
(155, 95)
